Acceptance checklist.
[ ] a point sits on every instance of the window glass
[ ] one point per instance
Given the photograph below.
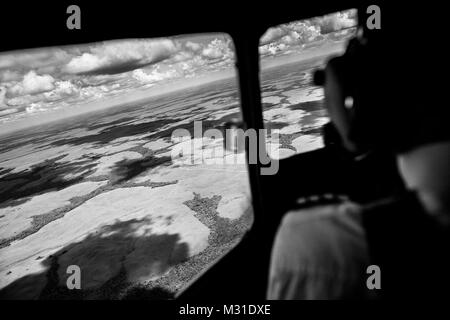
(107, 169)
(293, 106)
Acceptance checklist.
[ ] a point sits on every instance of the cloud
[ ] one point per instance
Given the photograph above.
(193, 46)
(22, 100)
(32, 83)
(193, 59)
(183, 56)
(47, 79)
(295, 33)
(272, 48)
(336, 21)
(86, 62)
(273, 34)
(62, 90)
(153, 76)
(218, 49)
(4, 108)
(97, 80)
(10, 75)
(3, 104)
(37, 107)
(121, 56)
(5, 112)
(300, 33)
(34, 59)
(191, 66)
(215, 49)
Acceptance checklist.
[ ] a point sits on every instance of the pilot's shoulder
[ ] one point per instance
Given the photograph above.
(334, 213)
(322, 236)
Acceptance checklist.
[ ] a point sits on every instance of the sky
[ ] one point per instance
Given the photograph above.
(40, 84)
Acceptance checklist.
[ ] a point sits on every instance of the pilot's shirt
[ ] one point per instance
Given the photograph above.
(320, 253)
(323, 252)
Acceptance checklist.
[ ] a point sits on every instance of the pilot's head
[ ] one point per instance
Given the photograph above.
(386, 106)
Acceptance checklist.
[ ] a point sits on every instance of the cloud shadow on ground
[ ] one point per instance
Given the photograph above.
(128, 169)
(16, 188)
(108, 259)
(119, 131)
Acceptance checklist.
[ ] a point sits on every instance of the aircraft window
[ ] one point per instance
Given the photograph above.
(293, 107)
(112, 167)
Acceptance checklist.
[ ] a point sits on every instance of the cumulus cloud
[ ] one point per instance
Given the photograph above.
(84, 63)
(36, 81)
(272, 48)
(3, 104)
(183, 56)
(10, 75)
(154, 76)
(295, 33)
(22, 100)
(194, 58)
(5, 112)
(97, 80)
(39, 107)
(64, 92)
(336, 21)
(193, 46)
(34, 107)
(34, 59)
(191, 66)
(273, 34)
(33, 83)
(62, 89)
(121, 56)
(5, 109)
(300, 33)
(218, 49)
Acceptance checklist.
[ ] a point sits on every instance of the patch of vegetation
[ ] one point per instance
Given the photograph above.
(40, 221)
(121, 235)
(224, 235)
(286, 140)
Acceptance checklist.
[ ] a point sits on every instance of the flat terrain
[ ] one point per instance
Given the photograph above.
(105, 192)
